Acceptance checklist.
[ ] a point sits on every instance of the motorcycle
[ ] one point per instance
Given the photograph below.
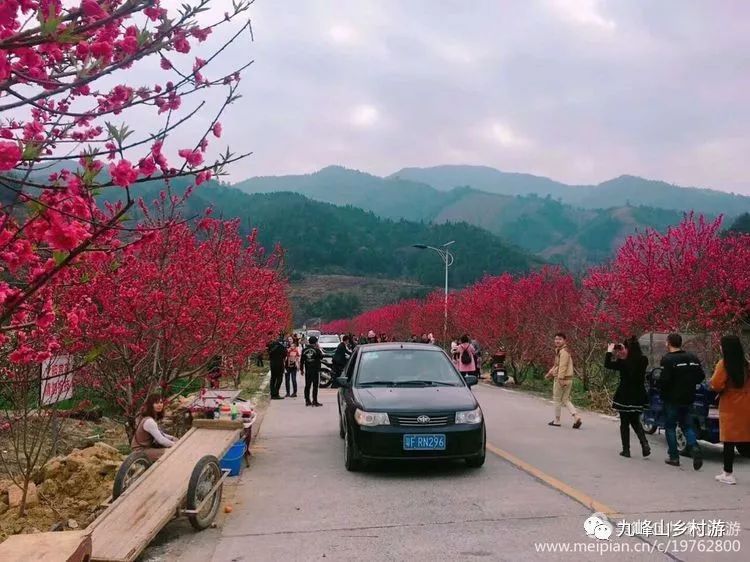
(326, 375)
(498, 374)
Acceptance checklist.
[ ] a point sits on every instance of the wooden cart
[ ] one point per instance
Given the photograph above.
(187, 481)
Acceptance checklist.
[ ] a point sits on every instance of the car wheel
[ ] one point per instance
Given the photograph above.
(476, 461)
(352, 462)
(648, 427)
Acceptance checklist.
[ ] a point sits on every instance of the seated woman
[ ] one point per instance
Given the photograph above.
(148, 438)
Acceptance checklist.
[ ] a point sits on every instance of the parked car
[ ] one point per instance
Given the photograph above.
(328, 343)
(310, 333)
(407, 401)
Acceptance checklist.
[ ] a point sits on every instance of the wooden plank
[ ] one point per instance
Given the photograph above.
(133, 520)
(217, 424)
(65, 546)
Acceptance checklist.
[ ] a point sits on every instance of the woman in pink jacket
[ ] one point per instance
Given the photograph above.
(466, 354)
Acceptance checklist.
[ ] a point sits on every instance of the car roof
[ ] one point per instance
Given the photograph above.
(392, 346)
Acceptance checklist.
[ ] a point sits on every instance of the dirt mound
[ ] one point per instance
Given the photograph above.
(71, 489)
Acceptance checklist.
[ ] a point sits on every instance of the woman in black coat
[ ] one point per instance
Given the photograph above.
(631, 396)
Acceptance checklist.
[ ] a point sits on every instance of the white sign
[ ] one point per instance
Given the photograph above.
(57, 379)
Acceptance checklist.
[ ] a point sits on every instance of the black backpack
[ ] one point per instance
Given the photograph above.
(465, 356)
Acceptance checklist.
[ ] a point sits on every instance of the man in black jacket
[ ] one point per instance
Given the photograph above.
(276, 356)
(681, 373)
(310, 368)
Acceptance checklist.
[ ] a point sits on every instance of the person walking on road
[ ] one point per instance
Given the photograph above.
(276, 356)
(681, 373)
(310, 366)
(292, 365)
(731, 379)
(630, 396)
(466, 357)
(562, 372)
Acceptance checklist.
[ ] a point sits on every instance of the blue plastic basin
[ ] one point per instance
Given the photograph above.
(232, 460)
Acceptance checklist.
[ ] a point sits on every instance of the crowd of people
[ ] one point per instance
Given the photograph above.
(681, 373)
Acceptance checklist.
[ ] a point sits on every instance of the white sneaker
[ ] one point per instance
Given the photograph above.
(725, 478)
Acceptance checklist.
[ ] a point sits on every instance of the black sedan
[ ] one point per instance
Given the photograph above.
(408, 401)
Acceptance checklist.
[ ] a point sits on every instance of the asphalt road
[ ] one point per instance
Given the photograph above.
(538, 486)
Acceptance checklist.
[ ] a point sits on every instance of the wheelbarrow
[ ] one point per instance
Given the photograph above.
(186, 481)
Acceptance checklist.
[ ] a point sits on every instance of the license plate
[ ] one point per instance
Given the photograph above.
(425, 442)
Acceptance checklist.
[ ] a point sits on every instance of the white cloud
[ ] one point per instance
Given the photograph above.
(364, 116)
(343, 33)
(583, 12)
(501, 133)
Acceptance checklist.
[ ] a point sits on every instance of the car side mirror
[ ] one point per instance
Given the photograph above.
(343, 382)
(471, 380)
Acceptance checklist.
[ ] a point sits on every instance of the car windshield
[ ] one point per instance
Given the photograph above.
(404, 367)
(328, 339)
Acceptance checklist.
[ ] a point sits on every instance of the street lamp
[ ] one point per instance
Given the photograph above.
(447, 258)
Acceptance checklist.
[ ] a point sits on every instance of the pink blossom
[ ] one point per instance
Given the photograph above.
(202, 177)
(147, 166)
(201, 34)
(217, 130)
(193, 157)
(10, 155)
(102, 50)
(92, 9)
(181, 44)
(4, 67)
(123, 173)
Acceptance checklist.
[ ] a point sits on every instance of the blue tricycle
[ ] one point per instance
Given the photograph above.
(705, 414)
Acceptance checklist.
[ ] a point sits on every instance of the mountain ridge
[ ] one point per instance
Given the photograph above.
(556, 231)
(612, 192)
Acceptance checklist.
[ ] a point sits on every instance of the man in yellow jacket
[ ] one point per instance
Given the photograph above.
(562, 372)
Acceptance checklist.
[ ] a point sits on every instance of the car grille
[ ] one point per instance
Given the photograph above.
(412, 420)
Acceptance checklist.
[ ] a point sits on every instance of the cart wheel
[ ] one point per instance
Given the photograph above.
(204, 477)
(648, 427)
(130, 470)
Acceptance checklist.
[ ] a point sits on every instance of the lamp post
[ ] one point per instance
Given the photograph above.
(447, 258)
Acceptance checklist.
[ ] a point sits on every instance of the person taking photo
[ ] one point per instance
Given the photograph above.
(630, 396)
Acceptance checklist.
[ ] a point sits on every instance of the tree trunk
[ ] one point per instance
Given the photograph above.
(22, 505)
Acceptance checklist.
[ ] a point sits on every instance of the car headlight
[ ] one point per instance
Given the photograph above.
(472, 416)
(371, 418)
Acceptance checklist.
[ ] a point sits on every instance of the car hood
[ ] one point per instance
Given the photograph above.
(423, 399)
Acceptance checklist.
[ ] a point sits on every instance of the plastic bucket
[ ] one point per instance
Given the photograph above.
(232, 460)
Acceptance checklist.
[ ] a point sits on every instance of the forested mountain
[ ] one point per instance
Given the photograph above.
(558, 232)
(741, 224)
(323, 238)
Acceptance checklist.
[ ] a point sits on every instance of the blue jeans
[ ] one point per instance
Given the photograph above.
(674, 414)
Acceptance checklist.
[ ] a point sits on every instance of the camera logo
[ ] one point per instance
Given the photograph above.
(598, 526)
